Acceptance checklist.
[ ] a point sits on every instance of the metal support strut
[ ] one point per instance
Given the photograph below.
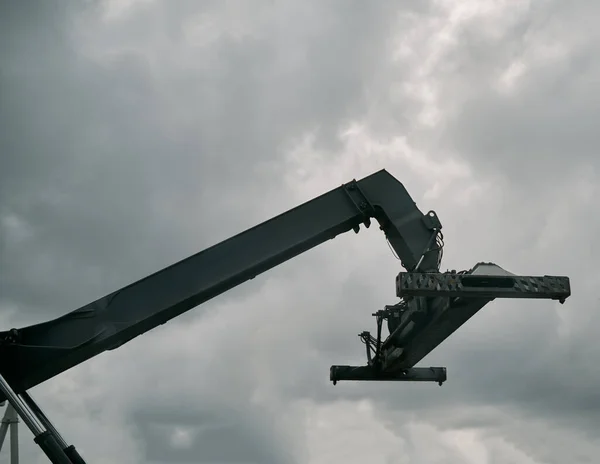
(11, 420)
(45, 434)
(69, 450)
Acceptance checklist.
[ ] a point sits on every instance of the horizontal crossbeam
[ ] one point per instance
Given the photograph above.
(482, 286)
(366, 373)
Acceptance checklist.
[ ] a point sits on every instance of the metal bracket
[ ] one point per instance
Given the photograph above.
(360, 201)
(432, 221)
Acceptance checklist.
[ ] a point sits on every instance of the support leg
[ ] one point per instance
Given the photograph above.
(14, 434)
(42, 437)
(4, 427)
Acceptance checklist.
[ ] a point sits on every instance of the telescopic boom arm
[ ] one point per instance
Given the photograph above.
(33, 354)
(432, 304)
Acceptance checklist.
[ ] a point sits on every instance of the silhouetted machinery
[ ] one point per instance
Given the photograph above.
(432, 304)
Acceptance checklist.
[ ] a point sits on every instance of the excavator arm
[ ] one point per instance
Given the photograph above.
(432, 304)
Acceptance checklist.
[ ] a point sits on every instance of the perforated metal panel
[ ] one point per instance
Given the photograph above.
(483, 286)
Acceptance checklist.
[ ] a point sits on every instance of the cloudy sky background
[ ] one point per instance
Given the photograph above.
(135, 133)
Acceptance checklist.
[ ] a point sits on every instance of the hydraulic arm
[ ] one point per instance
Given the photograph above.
(432, 304)
(33, 354)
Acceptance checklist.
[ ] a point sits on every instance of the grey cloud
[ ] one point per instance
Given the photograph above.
(114, 166)
(538, 145)
(544, 128)
(211, 439)
(105, 158)
(104, 149)
(540, 139)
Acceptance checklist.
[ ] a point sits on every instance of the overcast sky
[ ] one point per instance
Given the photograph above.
(135, 133)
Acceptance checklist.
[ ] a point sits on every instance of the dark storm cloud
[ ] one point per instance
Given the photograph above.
(92, 148)
(528, 360)
(211, 438)
(540, 137)
(106, 157)
(127, 145)
(543, 127)
(537, 143)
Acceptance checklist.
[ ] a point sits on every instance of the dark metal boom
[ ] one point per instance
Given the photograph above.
(432, 304)
(33, 354)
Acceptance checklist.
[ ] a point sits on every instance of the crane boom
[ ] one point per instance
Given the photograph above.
(31, 355)
(433, 305)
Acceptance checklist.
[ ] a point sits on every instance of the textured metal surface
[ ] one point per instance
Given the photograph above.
(486, 286)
